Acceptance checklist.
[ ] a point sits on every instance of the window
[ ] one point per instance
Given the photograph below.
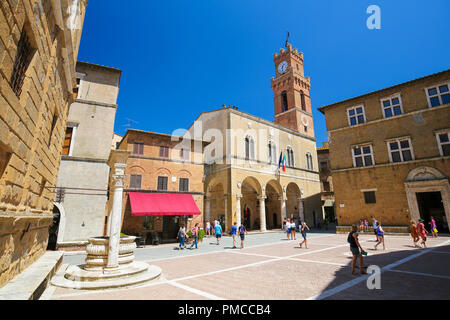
(23, 59)
(309, 161)
(148, 222)
(68, 139)
(249, 148)
(443, 140)
(184, 154)
(164, 152)
(184, 184)
(272, 152)
(369, 197)
(302, 100)
(438, 95)
(290, 157)
(135, 181)
(138, 148)
(391, 106)
(326, 186)
(323, 166)
(363, 156)
(356, 115)
(162, 183)
(284, 101)
(400, 150)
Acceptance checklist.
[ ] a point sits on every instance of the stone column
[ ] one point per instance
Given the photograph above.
(115, 218)
(301, 209)
(262, 212)
(238, 209)
(117, 162)
(283, 208)
(225, 209)
(207, 209)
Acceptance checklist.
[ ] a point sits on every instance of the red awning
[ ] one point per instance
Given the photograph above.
(162, 204)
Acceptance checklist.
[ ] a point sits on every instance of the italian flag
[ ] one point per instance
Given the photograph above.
(282, 162)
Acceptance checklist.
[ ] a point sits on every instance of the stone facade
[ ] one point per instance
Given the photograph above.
(83, 174)
(42, 39)
(409, 116)
(149, 165)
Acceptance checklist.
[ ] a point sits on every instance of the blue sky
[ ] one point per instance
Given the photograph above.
(180, 58)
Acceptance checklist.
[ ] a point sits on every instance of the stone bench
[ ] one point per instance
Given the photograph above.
(32, 282)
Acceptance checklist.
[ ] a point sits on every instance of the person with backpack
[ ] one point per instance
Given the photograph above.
(380, 235)
(218, 231)
(356, 249)
(195, 236)
(234, 229)
(242, 232)
(181, 236)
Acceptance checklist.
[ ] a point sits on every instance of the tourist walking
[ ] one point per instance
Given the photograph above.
(433, 227)
(234, 229)
(303, 229)
(242, 233)
(218, 231)
(182, 236)
(380, 235)
(356, 249)
(366, 225)
(414, 233)
(374, 225)
(293, 226)
(288, 229)
(422, 232)
(195, 236)
(208, 229)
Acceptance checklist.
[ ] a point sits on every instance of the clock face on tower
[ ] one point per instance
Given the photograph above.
(282, 67)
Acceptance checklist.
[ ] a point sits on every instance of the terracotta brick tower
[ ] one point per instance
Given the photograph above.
(291, 91)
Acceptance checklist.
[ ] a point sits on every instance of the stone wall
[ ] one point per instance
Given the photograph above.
(32, 124)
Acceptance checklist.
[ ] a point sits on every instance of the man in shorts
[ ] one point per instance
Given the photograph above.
(242, 232)
(374, 225)
(234, 229)
(356, 249)
(218, 231)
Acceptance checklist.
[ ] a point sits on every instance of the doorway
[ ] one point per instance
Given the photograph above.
(431, 205)
(170, 228)
(247, 221)
(53, 230)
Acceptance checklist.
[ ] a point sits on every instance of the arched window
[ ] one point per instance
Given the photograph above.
(302, 100)
(309, 161)
(290, 157)
(284, 101)
(272, 152)
(249, 148)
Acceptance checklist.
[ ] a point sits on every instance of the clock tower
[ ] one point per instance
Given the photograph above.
(291, 92)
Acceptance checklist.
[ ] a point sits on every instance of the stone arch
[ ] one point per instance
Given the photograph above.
(424, 173)
(163, 172)
(251, 189)
(273, 192)
(184, 174)
(293, 194)
(136, 170)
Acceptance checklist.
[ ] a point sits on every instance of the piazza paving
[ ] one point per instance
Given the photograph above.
(273, 268)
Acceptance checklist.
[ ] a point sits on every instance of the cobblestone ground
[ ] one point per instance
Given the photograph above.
(271, 267)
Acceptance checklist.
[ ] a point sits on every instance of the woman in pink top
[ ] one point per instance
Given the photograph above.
(422, 232)
(432, 223)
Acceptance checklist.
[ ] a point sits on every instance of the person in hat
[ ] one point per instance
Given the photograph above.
(422, 232)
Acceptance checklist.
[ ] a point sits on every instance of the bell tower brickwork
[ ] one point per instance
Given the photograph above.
(291, 92)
